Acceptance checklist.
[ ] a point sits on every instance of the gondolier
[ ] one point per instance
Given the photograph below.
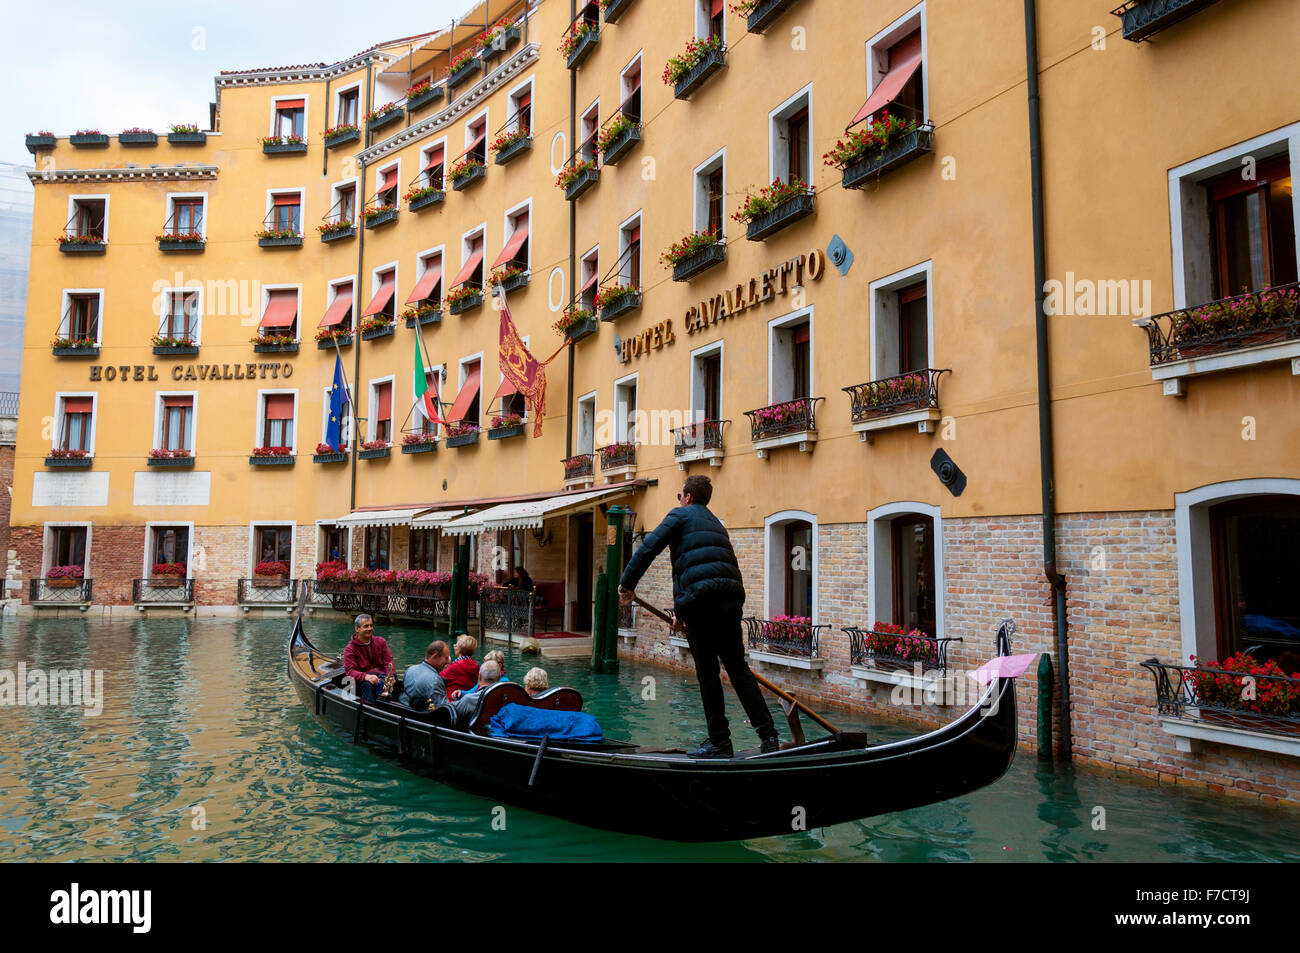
(708, 599)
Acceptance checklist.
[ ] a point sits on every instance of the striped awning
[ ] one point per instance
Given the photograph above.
(400, 517)
(532, 513)
(433, 519)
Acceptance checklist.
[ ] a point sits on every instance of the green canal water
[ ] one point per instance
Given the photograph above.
(202, 752)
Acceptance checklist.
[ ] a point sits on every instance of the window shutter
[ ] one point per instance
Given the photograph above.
(279, 406)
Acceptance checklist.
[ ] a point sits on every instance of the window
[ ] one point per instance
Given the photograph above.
(896, 72)
(587, 424)
(89, 218)
(433, 377)
(169, 544)
(286, 212)
(706, 383)
(476, 139)
(290, 117)
(625, 410)
(1252, 228)
(377, 547)
(1256, 553)
(67, 546)
(521, 108)
(339, 312)
(471, 272)
(345, 423)
(176, 422)
(791, 142)
(710, 189)
(81, 317)
(344, 208)
(791, 564)
(589, 129)
(630, 89)
(185, 215)
(76, 416)
(273, 543)
(277, 420)
(345, 113)
(386, 188)
(913, 336)
(424, 550)
(791, 358)
(383, 304)
(629, 253)
(470, 373)
(515, 253)
(900, 323)
(590, 270)
(434, 163)
(428, 290)
(381, 413)
(180, 319)
(912, 554)
(710, 18)
(334, 544)
(280, 316)
(798, 568)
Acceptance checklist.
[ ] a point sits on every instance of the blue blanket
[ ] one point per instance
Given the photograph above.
(520, 721)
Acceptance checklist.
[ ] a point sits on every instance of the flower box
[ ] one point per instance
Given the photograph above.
(581, 182)
(424, 446)
(787, 213)
(342, 138)
(384, 119)
(381, 217)
(621, 144)
(705, 258)
(166, 582)
(576, 332)
(615, 9)
(338, 234)
(505, 40)
(271, 460)
(284, 148)
(90, 350)
(433, 317)
(904, 149)
(515, 281)
(582, 48)
(268, 582)
(429, 198)
(165, 349)
(462, 72)
(62, 582)
(289, 348)
(69, 463)
(172, 462)
(327, 344)
(379, 331)
(623, 304)
(89, 140)
(187, 138)
(463, 439)
(338, 456)
(1142, 19)
(420, 100)
(294, 241)
(695, 77)
(513, 150)
(503, 433)
(467, 303)
(137, 138)
(375, 453)
(181, 244)
(475, 172)
(764, 13)
(38, 142)
(96, 247)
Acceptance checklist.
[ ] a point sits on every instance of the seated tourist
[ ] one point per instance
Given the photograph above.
(461, 674)
(466, 703)
(520, 579)
(496, 655)
(422, 686)
(366, 659)
(536, 682)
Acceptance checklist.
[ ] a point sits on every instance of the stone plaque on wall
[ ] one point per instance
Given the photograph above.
(69, 489)
(159, 488)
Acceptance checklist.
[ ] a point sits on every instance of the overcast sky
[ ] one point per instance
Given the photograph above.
(80, 65)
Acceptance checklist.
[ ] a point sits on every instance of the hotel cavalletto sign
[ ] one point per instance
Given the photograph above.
(730, 302)
(250, 371)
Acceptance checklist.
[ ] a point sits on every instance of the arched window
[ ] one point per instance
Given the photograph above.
(792, 564)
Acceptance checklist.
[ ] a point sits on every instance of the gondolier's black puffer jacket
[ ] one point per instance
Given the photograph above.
(705, 571)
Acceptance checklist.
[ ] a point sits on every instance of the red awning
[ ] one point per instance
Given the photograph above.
(389, 180)
(587, 285)
(338, 307)
(78, 405)
(424, 287)
(383, 295)
(478, 140)
(435, 158)
(288, 198)
(279, 406)
(904, 60)
(506, 389)
(513, 245)
(467, 271)
(716, 8)
(385, 394)
(635, 236)
(178, 401)
(525, 100)
(291, 104)
(281, 309)
(465, 397)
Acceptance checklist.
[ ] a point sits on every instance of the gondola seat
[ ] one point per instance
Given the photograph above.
(506, 693)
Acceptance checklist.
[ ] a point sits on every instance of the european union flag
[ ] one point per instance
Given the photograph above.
(338, 403)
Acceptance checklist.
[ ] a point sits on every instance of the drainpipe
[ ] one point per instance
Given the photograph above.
(1045, 442)
(573, 238)
(356, 291)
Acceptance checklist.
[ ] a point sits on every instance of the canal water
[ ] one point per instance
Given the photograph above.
(202, 752)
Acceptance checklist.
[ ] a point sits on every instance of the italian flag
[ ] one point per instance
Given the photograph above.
(424, 394)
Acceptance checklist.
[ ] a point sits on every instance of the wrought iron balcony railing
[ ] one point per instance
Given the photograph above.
(897, 650)
(1143, 19)
(503, 609)
(617, 456)
(1229, 324)
(787, 417)
(424, 602)
(579, 466)
(705, 435)
(795, 639)
(162, 590)
(254, 592)
(1266, 703)
(914, 390)
(62, 590)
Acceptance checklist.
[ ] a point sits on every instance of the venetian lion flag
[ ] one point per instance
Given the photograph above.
(523, 370)
(424, 394)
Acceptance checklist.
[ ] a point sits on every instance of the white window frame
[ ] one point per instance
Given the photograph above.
(332, 292)
(621, 415)
(885, 348)
(159, 417)
(164, 302)
(358, 200)
(511, 99)
(427, 150)
(261, 415)
(702, 18)
(372, 408)
(47, 542)
(585, 259)
(588, 398)
(880, 563)
(623, 90)
(635, 220)
(302, 206)
(59, 398)
(461, 374)
(338, 102)
(878, 53)
(266, 300)
(778, 324)
(697, 379)
(306, 112)
(422, 266)
(472, 121)
(700, 190)
(778, 154)
(376, 281)
(254, 559)
(774, 572)
(72, 207)
(321, 555)
(379, 177)
(508, 227)
(65, 328)
(146, 570)
(439, 373)
(593, 107)
(171, 208)
(466, 244)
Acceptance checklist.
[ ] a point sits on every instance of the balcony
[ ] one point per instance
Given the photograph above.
(271, 457)
(765, 13)
(792, 644)
(1260, 327)
(271, 592)
(699, 441)
(786, 213)
(1200, 704)
(463, 176)
(383, 117)
(341, 136)
(698, 261)
(579, 470)
(89, 140)
(911, 398)
(697, 75)
(61, 591)
(1143, 19)
(284, 146)
(618, 462)
(615, 9)
(175, 591)
(69, 460)
(890, 655)
(899, 151)
(170, 459)
(789, 423)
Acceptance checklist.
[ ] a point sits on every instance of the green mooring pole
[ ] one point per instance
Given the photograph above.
(458, 611)
(1045, 686)
(598, 623)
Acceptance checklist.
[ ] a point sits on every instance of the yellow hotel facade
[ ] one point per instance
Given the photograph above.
(1030, 350)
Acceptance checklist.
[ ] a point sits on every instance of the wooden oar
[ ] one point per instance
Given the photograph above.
(778, 692)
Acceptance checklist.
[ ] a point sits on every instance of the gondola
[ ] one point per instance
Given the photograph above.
(665, 793)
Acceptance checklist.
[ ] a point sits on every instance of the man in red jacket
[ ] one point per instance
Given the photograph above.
(366, 660)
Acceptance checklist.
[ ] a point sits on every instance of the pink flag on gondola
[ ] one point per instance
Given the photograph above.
(1004, 666)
